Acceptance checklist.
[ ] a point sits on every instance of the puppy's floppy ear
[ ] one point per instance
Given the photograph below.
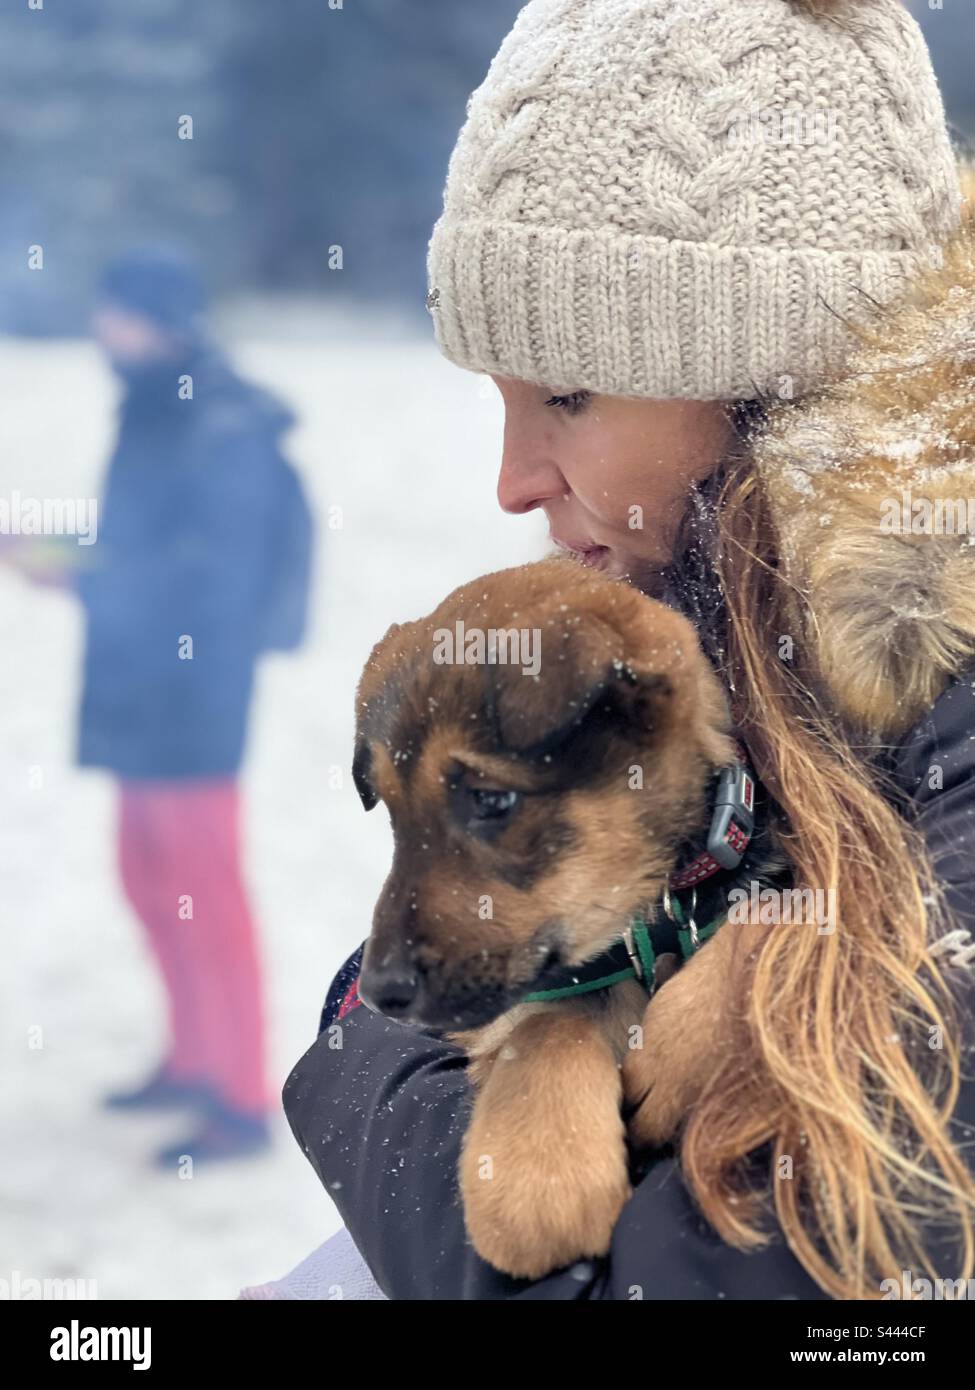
(581, 664)
(361, 767)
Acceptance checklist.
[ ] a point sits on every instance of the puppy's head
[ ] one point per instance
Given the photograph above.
(543, 743)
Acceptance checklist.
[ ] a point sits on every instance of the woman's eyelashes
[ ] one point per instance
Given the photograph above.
(572, 403)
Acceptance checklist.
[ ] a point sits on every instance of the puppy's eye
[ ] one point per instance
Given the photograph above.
(493, 805)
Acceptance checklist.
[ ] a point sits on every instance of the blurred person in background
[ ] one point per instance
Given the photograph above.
(201, 564)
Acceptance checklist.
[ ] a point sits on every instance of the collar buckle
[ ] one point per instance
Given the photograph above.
(732, 824)
(733, 821)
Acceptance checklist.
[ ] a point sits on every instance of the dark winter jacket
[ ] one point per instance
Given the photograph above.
(184, 550)
(892, 618)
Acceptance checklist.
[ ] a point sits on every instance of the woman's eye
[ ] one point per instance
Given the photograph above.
(573, 403)
(492, 805)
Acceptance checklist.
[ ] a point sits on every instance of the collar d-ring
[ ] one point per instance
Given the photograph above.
(674, 911)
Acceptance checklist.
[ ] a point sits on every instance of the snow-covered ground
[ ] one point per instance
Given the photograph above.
(403, 449)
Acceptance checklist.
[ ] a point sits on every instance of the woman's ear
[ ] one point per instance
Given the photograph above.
(361, 767)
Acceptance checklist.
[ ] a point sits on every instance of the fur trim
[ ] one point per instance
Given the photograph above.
(861, 475)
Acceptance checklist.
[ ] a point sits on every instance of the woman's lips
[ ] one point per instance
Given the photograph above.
(587, 551)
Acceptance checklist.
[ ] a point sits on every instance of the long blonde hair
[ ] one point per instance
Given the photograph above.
(847, 1064)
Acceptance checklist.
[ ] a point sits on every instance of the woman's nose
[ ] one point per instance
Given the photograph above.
(525, 482)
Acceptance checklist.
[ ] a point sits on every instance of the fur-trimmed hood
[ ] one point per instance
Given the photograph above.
(864, 477)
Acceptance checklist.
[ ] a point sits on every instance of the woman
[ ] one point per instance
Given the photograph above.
(661, 224)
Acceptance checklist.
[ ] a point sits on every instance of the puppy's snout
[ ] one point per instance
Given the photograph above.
(389, 989)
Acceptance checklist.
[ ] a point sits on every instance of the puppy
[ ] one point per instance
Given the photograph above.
(541, 791)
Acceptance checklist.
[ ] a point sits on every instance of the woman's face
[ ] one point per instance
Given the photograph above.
(611, 473)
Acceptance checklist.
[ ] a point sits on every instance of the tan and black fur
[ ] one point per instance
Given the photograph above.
(476, 912)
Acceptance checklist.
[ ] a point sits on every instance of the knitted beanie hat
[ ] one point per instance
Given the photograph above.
(687, 198)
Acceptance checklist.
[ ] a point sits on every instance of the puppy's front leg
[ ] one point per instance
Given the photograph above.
(684, 1025)
(543, 1170)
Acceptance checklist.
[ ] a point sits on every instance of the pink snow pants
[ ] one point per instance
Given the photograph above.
(179, 857)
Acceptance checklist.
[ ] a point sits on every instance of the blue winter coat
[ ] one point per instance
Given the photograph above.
(182, 568)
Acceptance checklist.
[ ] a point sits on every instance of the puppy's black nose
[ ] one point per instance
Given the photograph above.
(388, 990)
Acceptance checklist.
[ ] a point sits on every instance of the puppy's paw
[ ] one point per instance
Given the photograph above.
(664, 1074)
(655, 1103)
(684, 1027)
(533, 1206)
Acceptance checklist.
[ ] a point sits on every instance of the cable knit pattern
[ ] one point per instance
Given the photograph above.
(687, 198)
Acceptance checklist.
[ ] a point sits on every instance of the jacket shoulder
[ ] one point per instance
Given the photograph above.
(231, 408)
(934, 768)
(938, 752)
